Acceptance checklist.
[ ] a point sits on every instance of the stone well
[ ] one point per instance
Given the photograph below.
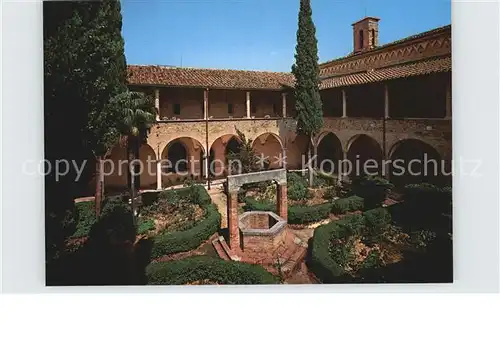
(261, 230)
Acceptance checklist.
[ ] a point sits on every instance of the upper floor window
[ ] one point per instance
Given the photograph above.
(275, 109)
(253, 108)
(177, 109)
(230, 109)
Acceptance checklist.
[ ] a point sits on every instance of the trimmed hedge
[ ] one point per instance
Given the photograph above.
(296, 214)
(320, 260)
(215, 270)
(253, 205)
(166, 243)
(348, 204)
(173, 242)
(429, 198)
(308, 214)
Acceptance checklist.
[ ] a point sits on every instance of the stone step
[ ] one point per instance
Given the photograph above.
(217, 244)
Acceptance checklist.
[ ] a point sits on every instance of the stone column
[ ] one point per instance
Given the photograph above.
(282, 201)
(283, 101)
(386, 101)
(448, 100)
(248, 104)
(232, 220)
(205, 104)
(205, 166)
(344, 103)
(284, 163)
(157, 103)
(158, 175)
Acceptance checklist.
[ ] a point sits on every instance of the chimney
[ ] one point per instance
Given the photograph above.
(365, 34)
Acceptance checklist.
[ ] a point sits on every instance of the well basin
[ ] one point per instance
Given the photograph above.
(261, 230)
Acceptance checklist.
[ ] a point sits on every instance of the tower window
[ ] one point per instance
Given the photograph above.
(361, 39)
(372, 42)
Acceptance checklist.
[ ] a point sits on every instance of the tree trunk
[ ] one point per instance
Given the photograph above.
(98, 187)
(131, 157)
(309, 163)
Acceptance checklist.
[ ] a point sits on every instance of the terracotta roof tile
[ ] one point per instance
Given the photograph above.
(428, 66)
(207, 78)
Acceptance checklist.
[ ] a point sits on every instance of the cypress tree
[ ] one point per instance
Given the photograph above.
(84, 67)
(306, 71)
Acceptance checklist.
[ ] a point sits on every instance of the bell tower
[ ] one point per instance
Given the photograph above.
(365, 34)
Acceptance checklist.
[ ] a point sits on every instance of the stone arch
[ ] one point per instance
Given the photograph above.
(329, 152)
(233, 145)
(269, 146)
(182, 159)
(414, 161)
(219, 150)
(365, 155)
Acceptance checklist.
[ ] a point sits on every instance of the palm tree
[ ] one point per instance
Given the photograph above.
(139, 114)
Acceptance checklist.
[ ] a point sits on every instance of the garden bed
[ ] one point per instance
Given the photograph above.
(369, 247)
(191, 233)
(173, 210)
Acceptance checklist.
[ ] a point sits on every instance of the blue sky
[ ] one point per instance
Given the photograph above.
(260, 34)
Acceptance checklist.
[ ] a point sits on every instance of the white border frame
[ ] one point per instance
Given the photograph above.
(475, 126)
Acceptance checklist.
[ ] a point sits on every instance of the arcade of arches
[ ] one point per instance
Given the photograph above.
(184, 158)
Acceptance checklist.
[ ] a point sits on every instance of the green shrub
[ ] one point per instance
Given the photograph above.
(253, 205)
(421, 238)
(86, 214)
(331, 192)
(297, 187)
(294, 177)
(428, 199)
(116, 223)
(308, 214)
(372, 189)
(352, 203)
(372, 260)
(85, 218)
(297, 214)
(342, 251)
(166, 243)
(145, 225)
(376, 221)
(200, 268)
(298, 192)
(326, 179)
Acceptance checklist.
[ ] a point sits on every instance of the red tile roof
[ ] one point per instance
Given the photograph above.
(239, 79)
(207, 78)
(428, 66)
